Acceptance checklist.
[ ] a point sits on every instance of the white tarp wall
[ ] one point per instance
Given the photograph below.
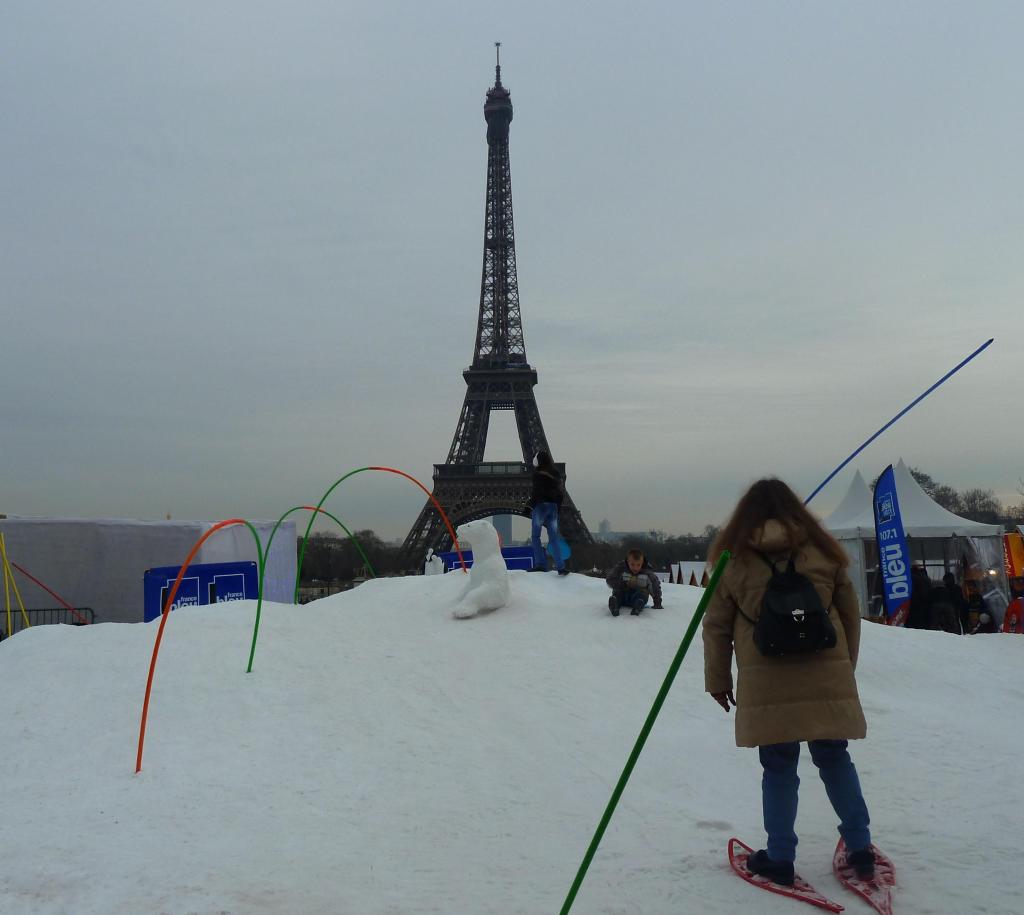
(100, 563)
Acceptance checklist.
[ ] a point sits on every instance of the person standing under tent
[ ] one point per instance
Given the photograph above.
(955, 595)
(783, 700)
(980, 619)
(1014, 616)
(920, 597)
(943, 614)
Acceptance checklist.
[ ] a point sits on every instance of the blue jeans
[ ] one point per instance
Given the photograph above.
(635, 600)
(545, 514)
(779, 794)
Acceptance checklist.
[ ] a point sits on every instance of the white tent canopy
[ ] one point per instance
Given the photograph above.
(857, 497)
(853, 525)
(686, 571)
(922, 517)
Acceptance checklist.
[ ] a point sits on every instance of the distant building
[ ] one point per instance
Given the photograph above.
(503, 525)
(605, 534)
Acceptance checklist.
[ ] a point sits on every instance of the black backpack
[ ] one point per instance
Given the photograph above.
(792, 619)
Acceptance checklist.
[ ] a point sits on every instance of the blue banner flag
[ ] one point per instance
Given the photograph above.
(893, 556)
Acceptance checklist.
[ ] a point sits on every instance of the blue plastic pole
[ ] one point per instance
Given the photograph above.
(905, 410)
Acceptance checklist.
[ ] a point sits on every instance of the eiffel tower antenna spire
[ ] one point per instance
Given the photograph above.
(499, 377)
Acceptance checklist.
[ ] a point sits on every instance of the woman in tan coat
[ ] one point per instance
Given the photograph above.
(783, 700)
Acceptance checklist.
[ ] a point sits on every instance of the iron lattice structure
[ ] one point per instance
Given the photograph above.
(500, 378)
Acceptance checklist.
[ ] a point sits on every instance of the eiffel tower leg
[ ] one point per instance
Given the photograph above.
(469, 492)
(531, 429)
(427, 532)
(471, 431)
(571, 524)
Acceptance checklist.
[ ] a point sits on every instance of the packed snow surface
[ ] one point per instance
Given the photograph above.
(384, 758)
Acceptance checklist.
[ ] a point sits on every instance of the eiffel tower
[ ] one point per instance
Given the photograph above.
(500, 378)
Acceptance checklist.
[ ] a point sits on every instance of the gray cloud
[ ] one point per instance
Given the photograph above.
(241, 248)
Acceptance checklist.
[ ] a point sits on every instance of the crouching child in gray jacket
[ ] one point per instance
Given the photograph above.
(632, 582)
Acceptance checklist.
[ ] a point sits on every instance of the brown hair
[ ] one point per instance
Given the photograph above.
(634, 554)
(766, 499)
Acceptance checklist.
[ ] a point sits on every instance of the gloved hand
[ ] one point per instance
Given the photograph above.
(627, 577)
(658, 606)
(725, 699)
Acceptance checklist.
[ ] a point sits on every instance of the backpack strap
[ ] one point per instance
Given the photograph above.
(747, 618)
(791, 567)
(768, 562)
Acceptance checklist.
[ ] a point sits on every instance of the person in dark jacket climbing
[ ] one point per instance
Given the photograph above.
(545, 501)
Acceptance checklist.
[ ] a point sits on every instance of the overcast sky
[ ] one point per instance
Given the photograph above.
(240, 248)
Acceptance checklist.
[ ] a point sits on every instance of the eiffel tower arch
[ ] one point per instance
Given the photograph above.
(500, 378)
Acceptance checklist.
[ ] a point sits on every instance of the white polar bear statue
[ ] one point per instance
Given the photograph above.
(488, 585)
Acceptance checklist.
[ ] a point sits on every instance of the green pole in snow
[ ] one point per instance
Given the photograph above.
(648, 724)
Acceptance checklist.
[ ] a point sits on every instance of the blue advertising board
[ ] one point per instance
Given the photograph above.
(893, 557)
(208, 583)
(516, 557)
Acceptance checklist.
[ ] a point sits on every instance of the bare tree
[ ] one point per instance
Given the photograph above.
(1015, 513)
(948, 498)
(982, 505)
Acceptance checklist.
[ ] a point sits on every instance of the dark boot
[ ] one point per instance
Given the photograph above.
(863, 863)
(638, 604)
(614, 602)
(780, 872)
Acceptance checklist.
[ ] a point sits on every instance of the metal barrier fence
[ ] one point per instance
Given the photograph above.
(46, 616)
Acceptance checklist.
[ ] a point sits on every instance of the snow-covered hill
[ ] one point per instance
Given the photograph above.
(384, 758)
